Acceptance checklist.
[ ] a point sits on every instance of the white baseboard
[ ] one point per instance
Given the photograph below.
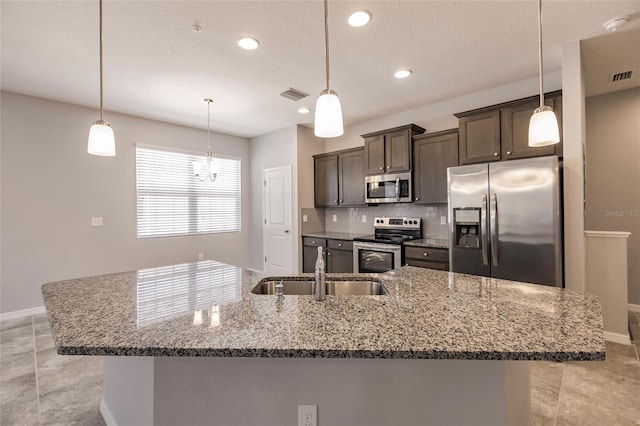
(634, 308)
(22, 313)
(622, 339)
(106, 414)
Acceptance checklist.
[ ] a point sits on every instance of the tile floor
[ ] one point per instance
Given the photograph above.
(39, 387)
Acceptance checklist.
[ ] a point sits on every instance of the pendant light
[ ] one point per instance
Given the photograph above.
(328, 120)
(206, 170)
(101, 139)
(543, 126)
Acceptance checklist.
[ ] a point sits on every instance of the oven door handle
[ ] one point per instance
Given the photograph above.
(376, 246)
(398, 189)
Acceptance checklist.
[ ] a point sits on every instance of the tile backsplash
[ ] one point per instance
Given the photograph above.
(350, 219)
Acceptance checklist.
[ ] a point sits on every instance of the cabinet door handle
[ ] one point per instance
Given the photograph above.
(495, 154)
(335, 201)
(339, 245)
(508, 152)
(313, 242)
(328, 253)
(417, 198)
(286, 231)
(426, 254)
(341, 201)
(381, 168)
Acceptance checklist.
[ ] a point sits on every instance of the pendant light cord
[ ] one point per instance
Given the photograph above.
(326, 38)
(208, 125)
(540, 52)
(101, 107)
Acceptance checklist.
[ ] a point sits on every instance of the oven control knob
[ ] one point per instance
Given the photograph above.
(405, 222)
(415, 222)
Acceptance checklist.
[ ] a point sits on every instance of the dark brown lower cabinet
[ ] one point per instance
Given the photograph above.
(422, 257)
(338, 255)
(310, 252)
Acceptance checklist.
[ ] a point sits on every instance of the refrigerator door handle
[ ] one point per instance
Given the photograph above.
(483, 230)
(494, 229)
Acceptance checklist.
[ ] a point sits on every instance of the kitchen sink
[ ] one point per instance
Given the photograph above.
(335, 287)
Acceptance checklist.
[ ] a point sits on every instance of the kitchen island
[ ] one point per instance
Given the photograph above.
(439, 348)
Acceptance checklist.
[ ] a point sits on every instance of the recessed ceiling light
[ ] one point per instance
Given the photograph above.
(613, 24)
(402, 73)
(248, 43)
(304, 110)
(359, 18)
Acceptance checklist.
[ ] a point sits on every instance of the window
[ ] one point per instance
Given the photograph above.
(172, 202)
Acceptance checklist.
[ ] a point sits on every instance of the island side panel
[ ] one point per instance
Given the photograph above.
(240, 391)
(127, 390)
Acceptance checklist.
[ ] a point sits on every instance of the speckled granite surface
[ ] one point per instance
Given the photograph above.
(428, 243)
(347, 236)
(427, 314)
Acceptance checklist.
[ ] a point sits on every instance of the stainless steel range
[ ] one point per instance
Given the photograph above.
(384, 250)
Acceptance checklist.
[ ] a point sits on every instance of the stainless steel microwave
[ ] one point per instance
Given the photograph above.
(388, 188)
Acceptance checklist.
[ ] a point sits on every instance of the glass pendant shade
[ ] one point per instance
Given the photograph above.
(543, 127)
(328, 119)
(101, 139)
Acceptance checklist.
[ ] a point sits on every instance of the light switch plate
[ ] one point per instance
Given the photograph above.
(96, 221)
(443, 220)
(364, 218)
(335, 217)
(305, 218)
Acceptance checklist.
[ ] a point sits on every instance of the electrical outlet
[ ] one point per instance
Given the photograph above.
(96, 221)
(307, 415)
(443, 220)
(335, 217)
(305, 218)
(200, 256)
(364, 218)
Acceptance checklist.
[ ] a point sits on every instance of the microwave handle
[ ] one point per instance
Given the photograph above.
(398, 189)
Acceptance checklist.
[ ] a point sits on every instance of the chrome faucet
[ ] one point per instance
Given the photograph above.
(321, 285)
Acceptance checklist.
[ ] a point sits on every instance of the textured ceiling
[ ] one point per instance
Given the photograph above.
(157, 67)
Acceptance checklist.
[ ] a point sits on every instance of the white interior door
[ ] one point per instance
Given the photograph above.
(277, 235)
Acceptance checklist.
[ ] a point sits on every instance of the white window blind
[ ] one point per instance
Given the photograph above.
(172, 202)
(171, 291)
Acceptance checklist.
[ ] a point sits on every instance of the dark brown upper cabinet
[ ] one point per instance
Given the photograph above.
(389, 151)
(326, 180)
(432, 154)
(339, 178)
(501, 132)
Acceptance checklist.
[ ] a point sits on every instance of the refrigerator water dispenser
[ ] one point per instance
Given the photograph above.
(467, 227)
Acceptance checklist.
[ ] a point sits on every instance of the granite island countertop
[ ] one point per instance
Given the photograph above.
(427, 314)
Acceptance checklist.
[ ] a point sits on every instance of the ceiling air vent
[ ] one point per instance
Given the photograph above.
(293, 94)
(621, 76)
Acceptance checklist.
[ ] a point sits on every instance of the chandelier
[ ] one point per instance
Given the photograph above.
(206, 170)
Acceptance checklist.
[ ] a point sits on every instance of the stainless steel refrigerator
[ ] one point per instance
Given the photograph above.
(505, 220)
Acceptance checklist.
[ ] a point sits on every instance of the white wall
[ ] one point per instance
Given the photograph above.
(273, 149)
(439, 116)
(308, 145)
(51, 187)
(613, 172)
